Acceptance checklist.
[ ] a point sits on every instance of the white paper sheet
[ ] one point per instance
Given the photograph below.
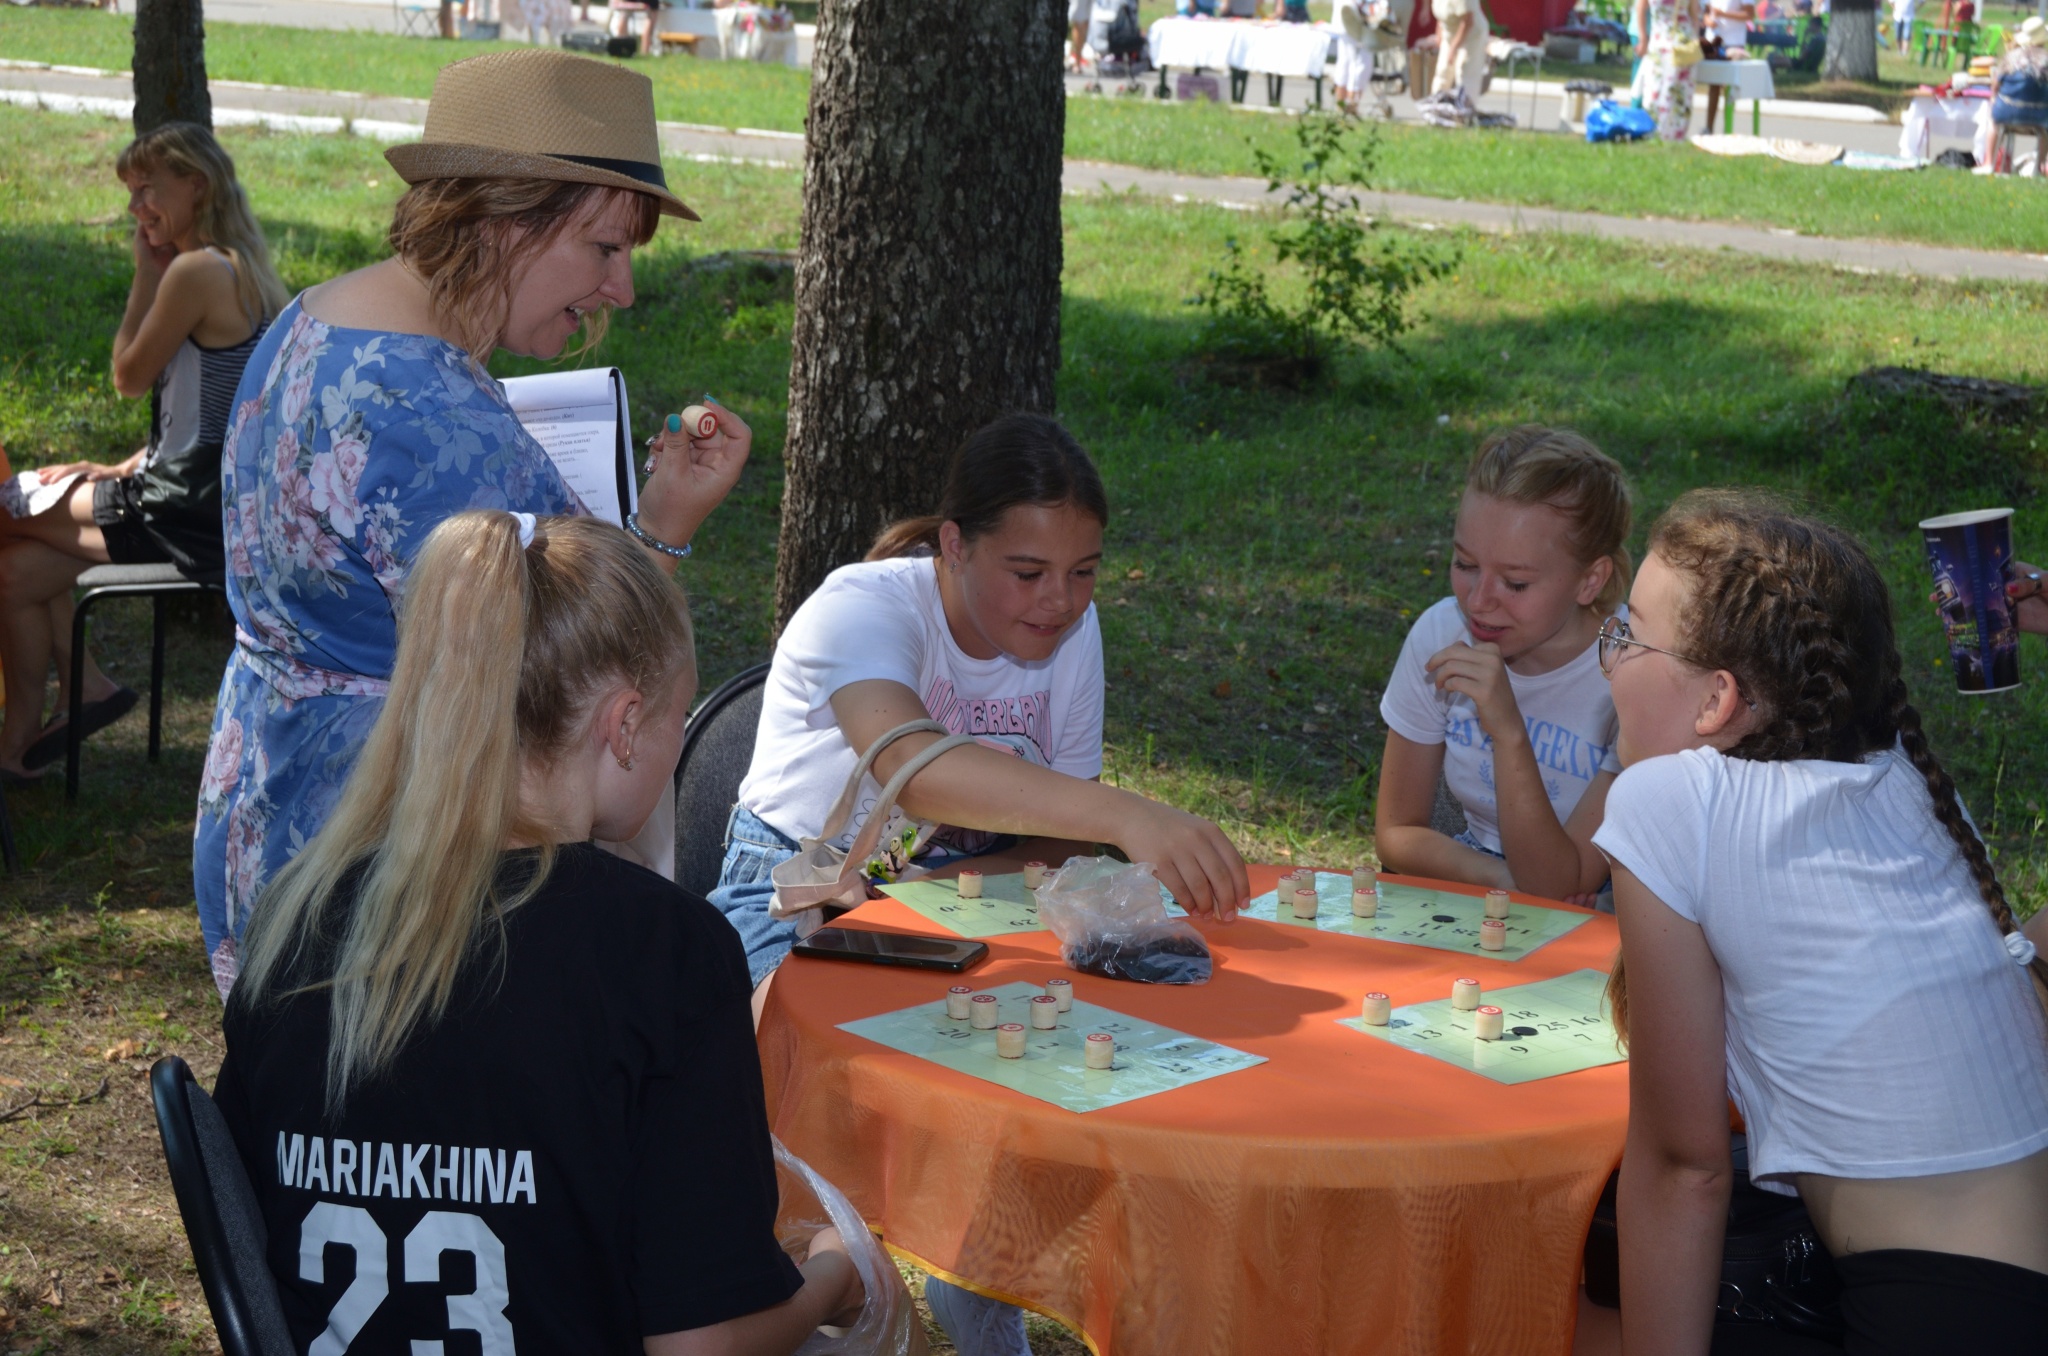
(25, 495)
(581, 419)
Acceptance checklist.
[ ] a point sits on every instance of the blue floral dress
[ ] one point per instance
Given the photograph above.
(348, 447)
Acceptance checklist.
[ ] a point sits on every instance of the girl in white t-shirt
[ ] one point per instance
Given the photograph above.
(1498, 691)
(981, 617)
(1812, 926)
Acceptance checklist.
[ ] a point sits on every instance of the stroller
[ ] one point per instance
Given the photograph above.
(1119, 46)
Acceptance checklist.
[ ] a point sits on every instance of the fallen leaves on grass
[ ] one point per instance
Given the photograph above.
(126, 1048)
(20, 1109)
(109, 1278)
(53, 1293)
(1221, 689)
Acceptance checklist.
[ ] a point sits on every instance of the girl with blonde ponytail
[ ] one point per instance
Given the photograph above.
(461, 1025)
(1812, 927)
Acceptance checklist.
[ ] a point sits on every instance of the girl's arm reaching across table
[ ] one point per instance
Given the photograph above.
(1675, 1172)
(980, 788)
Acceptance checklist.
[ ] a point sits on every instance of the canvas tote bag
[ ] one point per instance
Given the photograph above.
(821, 874)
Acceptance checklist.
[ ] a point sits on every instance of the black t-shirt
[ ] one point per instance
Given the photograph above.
(575, 1157)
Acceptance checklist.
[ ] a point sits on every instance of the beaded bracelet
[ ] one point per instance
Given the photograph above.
(633, 526)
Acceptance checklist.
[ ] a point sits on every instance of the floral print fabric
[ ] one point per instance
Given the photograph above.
(1666, 91)
(347, 448)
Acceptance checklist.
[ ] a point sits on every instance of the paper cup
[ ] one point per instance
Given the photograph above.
(1971, 554)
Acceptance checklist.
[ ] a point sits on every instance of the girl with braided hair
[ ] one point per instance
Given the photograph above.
(1813, 927)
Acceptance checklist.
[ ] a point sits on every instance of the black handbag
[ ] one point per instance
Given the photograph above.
(177, 498)
(1774, 1268)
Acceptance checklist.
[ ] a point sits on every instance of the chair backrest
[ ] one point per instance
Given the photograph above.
(1446, 816)
(718, 746)
(222, 1219)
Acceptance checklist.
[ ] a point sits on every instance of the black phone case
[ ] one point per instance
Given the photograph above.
(974, 957)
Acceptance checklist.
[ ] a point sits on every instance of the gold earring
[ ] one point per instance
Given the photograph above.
(626, 762)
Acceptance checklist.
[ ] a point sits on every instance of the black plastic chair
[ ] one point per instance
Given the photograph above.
(718, 746)
(155, 582)
(222, 1220)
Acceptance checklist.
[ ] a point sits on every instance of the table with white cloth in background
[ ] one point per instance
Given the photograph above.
(1931, 115)
(1749, 80)
(1242, 47)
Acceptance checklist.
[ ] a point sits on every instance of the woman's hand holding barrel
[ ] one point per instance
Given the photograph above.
(696, 460)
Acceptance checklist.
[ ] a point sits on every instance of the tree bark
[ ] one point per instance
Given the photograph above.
(170, 65)
(447, 18)
(1852, 42)
(928, 278)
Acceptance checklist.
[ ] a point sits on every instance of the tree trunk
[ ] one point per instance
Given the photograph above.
(170, 65)
(1852, 42)
(928, 279)
(447, 18)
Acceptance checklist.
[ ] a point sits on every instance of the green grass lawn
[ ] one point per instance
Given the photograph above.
(1266, 555)
(1648, 179)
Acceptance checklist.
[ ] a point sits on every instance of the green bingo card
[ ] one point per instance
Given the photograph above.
(1416, 916)
(1149, 1058)
(1554, 1026)
(1005, 905)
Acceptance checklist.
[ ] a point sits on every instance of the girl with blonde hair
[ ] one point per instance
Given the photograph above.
(1498, 692)
(372, 418)
(463, 1027)
(202, 296)
(1812, 927)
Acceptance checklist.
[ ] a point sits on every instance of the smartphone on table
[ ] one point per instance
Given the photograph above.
(892, 948)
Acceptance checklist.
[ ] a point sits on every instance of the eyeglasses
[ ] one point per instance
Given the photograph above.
(1616, 637)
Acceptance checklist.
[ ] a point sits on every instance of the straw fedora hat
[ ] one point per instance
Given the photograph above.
(541, 114)
(2033, 33)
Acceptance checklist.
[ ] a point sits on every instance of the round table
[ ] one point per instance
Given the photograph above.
(1346, 1196)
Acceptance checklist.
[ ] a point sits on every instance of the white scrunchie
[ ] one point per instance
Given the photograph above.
(2019, 948)
(526, 524)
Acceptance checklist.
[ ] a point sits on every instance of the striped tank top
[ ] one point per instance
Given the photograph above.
(194, 396)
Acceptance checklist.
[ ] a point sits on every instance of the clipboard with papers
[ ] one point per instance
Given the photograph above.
(581, 419)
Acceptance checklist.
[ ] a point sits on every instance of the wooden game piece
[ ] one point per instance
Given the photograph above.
(1045, 1011)
(700, 421)
(957, 1002)
(1034, 875)
(1496, 903)
(970, 884)
(1365, 903)
(1063, 991)
(1493, 934)
(982, 1011)
(1306, 900)
(1099, 1050)
(1010, 1040)
(1486, 1024)
(1377, 1010)
(1464, 994)
(1364, 878)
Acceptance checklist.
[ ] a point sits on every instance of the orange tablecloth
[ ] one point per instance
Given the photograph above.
(1347, 1196)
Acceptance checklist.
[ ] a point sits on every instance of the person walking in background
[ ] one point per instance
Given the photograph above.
(1902, 23)
(1663, 78)
(202, 295)
(1461, 62)
(372, 418)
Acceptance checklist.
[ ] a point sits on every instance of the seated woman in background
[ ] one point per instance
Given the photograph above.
(980, 616)
(202, 296)
(1498, 691)
(463, 1027)
(1812, 926)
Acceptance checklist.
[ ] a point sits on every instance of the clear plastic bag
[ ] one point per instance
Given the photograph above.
(1111, 919)
(888, 1323)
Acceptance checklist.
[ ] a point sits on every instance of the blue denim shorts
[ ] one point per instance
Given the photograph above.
(753, 848)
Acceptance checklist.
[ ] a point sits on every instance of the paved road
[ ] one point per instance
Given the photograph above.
(392, 117)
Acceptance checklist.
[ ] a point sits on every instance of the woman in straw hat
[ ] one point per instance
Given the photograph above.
(368, 418)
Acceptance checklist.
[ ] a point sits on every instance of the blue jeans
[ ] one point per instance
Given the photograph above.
(753, 849)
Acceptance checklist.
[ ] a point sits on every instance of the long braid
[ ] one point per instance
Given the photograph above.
(1948, 809)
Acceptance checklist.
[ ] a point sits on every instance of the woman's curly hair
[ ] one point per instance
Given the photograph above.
(1798, 613)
